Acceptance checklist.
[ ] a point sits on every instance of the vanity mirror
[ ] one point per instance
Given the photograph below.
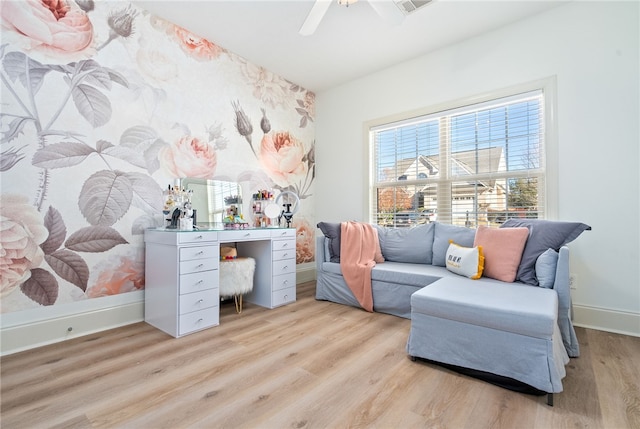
(212, 199)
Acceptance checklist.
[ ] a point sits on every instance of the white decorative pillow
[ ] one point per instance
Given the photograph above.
(546, 268)
(465, 261)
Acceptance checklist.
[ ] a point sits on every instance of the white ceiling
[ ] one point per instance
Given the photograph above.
(350, 42)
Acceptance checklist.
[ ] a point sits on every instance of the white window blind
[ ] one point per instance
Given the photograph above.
(472, 165)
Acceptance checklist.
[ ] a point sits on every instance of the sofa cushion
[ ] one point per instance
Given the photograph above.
(543, 235)
(546, 265)
(465, 261)
(502, 250)
(410, 245)
(332, 232)
(415, 275)
(516, 308)
(442, 234)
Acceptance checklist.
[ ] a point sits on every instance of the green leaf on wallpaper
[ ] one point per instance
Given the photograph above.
(57, 231)
(70, 266)
(63, 154)
(105, 197)
(41, 287)
(18, 66)
(92, 104)
(147, 194)
(94, 239)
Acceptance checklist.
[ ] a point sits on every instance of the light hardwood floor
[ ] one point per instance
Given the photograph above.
(312, 364)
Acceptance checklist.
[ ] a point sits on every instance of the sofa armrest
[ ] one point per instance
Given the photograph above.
(320, 252)
(561, 286)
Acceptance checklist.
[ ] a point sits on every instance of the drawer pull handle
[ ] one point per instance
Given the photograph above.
(200, 253)
(199, 282)
(199, 237)
(285, 245)
(285, 282)
(285, 255)
(200, 301)
(199, 320)
(199, 265)
(248, 234)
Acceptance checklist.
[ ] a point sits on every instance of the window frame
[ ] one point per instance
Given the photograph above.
(548, 87)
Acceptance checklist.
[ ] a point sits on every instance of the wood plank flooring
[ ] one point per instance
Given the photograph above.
(312, 364)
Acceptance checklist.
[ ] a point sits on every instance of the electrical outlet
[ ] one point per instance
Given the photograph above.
(573, 281)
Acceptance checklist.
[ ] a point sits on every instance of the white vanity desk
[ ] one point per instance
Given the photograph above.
(181, 274)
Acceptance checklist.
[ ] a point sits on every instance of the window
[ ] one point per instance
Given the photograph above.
(472, 165)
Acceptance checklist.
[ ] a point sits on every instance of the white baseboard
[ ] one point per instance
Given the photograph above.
(602, 319)
(27, 336)
(306, 274)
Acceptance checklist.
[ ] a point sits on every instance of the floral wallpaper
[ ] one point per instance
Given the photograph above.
(104, 105)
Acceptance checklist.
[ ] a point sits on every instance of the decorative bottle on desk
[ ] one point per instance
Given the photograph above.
(260, 201)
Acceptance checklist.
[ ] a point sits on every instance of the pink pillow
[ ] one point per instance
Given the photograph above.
(503, 249)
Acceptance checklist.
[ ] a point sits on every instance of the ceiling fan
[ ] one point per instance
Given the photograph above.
(392, 11)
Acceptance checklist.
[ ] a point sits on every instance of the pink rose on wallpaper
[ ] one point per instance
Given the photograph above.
(119, 274)
(189, 157)
(281, 155)
(22, 231)
(305, 242)
(197, 47)
(54, 28)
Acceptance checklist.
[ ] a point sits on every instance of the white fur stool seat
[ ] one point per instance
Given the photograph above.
(236, 278)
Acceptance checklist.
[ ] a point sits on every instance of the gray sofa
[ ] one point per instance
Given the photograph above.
(415, 259)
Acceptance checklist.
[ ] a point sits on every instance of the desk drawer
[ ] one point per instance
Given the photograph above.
(283, 245)
(198, 265)
(284, 267)
(197, 320)
(197, 282)
(199, 252)
(284, 281)
(280, 255)
(244, 234)
(197, 237)
(199, 300)
(282, 233)
(283, 296)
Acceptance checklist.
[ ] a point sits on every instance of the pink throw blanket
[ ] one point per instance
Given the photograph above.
(359, 253)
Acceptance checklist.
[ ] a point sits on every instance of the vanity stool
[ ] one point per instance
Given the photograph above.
(236, 278)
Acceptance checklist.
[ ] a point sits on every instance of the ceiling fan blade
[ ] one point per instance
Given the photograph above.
(315, 16)
(388, 10)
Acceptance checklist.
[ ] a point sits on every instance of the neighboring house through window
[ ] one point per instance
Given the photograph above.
(472, 164)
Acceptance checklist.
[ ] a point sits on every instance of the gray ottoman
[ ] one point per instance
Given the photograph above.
(506, 329)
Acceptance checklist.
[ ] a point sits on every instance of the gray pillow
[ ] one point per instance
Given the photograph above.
(332, 232)
(543, 235)
(546, 265)
(443, 233)
(411, 245)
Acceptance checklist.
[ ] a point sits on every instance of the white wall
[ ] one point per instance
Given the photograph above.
(592, 49)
